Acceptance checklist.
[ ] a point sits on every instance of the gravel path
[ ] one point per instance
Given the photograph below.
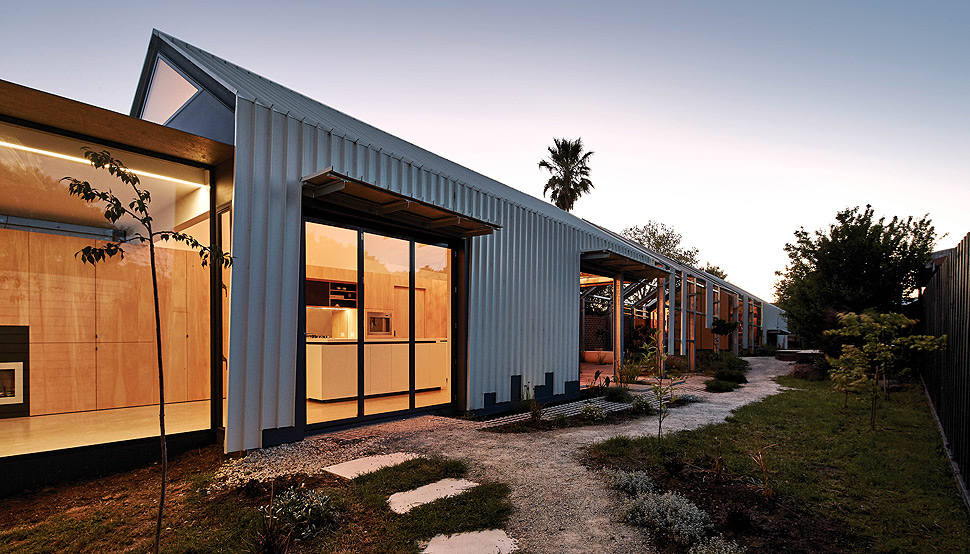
(561, 507)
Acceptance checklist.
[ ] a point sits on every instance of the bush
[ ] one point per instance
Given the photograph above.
(641, 404)
(715, 385)
(633, 483)
(670, 517)
(592, 412)
(685, 399)
(725, 361)
(676, 365)
(617, 394)
(307, 512)
(717, 545)
(732, 375)
(764, 350)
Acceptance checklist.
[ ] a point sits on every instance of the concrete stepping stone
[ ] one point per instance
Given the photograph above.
(370, 464)
(494, 541)
(402, 502)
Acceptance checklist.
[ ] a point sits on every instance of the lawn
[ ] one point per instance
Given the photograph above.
(115, 513)
(835, 483)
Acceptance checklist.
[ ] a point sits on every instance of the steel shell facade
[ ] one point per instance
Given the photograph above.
(522, 281)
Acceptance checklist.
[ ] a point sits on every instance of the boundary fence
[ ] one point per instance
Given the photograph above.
(946, 373)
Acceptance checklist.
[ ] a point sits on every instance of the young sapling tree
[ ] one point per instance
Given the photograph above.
(138, 210)
(876, 351)
(664, 393)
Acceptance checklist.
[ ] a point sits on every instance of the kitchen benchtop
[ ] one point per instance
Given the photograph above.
(322, 340)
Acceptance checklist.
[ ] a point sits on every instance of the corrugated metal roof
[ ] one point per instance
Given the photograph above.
(262, 91)
(265, 92)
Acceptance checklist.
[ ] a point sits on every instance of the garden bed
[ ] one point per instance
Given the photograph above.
(117, 513)
(837, 486)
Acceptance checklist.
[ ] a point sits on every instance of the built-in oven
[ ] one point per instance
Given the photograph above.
(14, 371)
(379, 324)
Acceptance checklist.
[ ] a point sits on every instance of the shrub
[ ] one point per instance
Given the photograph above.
(641, 404)
(271, 536)
(765, 350)
(717, 545)
(732, 375)
(676, 364)
(670, 517)
(633, 483)
(592, 412)
(617, 394)
(307, 512)
(560, 420)
(725, 361)
(715, 385)
(685, 399)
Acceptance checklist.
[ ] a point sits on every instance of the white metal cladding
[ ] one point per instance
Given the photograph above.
(523, 280)
(265, 297)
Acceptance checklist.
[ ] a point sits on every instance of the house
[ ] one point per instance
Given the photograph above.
(371, 278)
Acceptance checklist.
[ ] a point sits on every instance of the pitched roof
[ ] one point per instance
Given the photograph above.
(258, 89)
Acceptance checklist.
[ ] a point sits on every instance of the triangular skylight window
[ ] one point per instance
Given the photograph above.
(168, 93)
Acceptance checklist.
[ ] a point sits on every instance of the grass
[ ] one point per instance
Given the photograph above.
(224, 522)
(893, 488)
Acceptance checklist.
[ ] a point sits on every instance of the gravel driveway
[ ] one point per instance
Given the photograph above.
(561, 507)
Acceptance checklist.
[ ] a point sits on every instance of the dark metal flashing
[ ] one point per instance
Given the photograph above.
(353, 422)
(608, 263)
(157, 45)
(39, 469)
(373, 202)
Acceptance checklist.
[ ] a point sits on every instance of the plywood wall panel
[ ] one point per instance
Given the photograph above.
(330, 274)
(174, 357)
(124, 300)
(62, 378)
(62, 291)
(197, 328)
(127, 375)
(14, 281)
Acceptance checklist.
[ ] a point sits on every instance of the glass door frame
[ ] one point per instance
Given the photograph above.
(458, 323)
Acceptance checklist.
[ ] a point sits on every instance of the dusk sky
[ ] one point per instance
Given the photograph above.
(733, 122)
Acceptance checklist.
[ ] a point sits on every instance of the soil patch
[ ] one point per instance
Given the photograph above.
(742, 513)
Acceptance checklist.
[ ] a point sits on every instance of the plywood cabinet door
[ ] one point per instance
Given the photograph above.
(14, 281)
(197, 328)
(127, 375)
(422, 365)
(62, 291)
(62, 378)
(125, 303)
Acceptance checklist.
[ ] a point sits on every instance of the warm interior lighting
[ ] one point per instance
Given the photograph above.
(87, 162)
(331, 308)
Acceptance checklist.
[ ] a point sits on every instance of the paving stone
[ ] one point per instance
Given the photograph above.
(402, 502)
(494, 541)
(360, 466)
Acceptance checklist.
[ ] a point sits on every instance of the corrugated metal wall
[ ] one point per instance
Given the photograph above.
(523, 280)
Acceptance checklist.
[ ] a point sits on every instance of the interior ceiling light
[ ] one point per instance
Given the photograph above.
(87, 162)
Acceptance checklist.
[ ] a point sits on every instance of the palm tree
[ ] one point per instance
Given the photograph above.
(570, 174)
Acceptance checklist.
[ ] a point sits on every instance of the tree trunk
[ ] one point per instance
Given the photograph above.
(875, 397)
(161, 397)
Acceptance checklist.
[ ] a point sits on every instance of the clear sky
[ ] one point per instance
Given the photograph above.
(734, 122)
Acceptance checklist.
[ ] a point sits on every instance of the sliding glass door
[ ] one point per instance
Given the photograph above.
(378, 324)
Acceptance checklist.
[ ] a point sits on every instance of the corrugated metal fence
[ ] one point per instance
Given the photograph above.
(946, 373)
